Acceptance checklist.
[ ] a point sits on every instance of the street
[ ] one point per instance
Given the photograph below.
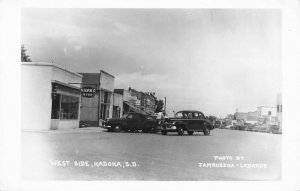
(94, 154)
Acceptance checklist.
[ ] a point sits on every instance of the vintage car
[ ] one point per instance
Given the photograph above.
(240, 125)
(275, 129)
(130, 122)
(187, 120)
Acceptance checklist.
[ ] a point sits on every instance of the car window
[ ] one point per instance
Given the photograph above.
(179, 115)
(201, 116)
(195, 115)
(125, 115)
(136, 116)
(148, 118)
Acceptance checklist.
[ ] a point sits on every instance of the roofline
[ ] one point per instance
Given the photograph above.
(64, 84)
(107, 73)
(50, 64)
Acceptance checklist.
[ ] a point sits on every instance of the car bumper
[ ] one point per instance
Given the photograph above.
(106, 126)
(170, 129)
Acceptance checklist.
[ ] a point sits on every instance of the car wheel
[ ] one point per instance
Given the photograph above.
(164, 132)
(180, 131)
(117, 128)
(206, 131)
(145, 130)
(190, 132)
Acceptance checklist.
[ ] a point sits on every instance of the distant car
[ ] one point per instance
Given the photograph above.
(217, 124)
(275, 129)
(228, 127)
(264, 128)
(240, 125)
(130, 122)
(187, 120)
(250, 127)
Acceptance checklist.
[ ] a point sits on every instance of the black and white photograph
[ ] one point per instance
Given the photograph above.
(151, 94)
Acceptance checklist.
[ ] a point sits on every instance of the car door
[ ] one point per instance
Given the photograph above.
(137, 121)
(200, 121)
(193, 122)
(128, 123)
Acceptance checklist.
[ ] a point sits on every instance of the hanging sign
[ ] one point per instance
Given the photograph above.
(88, 92)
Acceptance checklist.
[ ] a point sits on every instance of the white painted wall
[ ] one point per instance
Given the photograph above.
(36, 97)
(36, 101)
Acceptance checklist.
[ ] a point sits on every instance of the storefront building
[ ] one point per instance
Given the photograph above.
(99, 107)
(266, 115)
(50, 97)
(279, 110)
(137, 101)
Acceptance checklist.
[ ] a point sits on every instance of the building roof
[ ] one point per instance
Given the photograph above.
(50, 64)
(106, 73)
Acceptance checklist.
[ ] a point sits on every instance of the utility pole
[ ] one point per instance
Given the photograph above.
(165, 104)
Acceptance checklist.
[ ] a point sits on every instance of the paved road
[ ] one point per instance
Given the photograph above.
(93, 154)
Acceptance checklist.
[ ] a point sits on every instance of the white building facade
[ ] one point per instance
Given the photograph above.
(50, 97)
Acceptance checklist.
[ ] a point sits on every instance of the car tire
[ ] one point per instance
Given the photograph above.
(117, 128)
(190, 132)
(164, 132)
(180, 131)
(206, 131)
(145, 130)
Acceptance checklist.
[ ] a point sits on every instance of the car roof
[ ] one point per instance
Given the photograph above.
(189, 111)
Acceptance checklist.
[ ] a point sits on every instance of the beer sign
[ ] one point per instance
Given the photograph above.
(88, 92)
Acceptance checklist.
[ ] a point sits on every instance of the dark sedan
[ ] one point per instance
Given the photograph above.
(188, 120)
(130, 122)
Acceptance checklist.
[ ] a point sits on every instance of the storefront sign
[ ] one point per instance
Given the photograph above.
(88, 92)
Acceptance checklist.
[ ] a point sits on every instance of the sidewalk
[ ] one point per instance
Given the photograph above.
(75, 130)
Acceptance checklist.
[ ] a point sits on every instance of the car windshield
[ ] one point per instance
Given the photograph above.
(125, 115)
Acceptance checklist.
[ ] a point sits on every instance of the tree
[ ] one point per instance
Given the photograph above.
(24, 56)
(159, 105)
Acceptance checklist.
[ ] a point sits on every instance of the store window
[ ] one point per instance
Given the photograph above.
(64, 107)
(105, 104)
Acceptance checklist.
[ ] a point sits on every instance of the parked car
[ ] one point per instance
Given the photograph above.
(250, 127)
(228, 127)
(187, 120)
(276, 129)
(264, 128)
(240, 125)
(130, 122)
(218, 124)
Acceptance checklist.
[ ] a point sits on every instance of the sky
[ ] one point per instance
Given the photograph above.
(212, 60)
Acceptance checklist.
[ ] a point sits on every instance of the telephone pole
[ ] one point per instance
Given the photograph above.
(165, 104)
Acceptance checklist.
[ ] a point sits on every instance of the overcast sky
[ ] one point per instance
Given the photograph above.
(214, 60)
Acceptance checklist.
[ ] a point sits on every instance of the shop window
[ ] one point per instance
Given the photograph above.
(69, 107)
(55, 106)
(105, 104)
(64, 107)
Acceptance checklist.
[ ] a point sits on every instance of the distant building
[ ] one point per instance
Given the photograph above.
(266, 114)
(240, 116)
(136, 101)
(279, 110)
